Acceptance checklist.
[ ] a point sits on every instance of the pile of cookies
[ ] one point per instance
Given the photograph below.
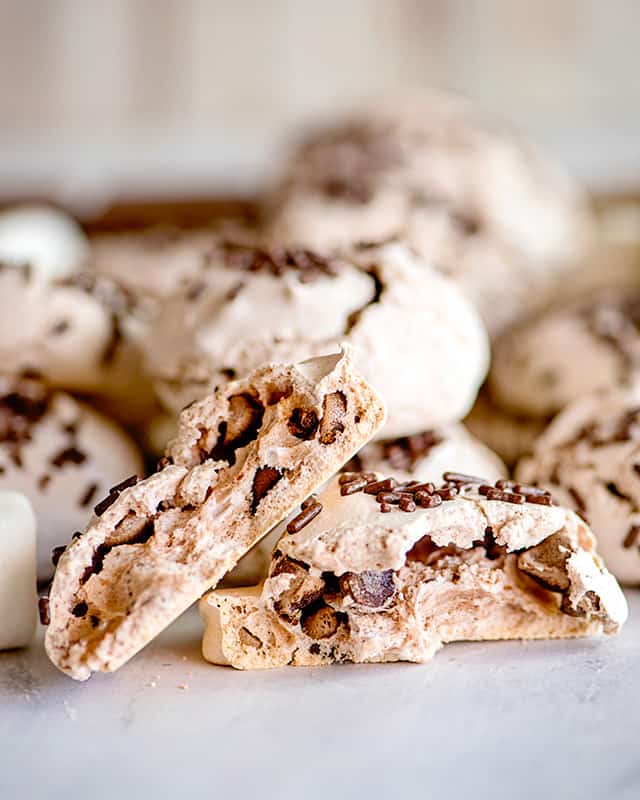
(317, 385)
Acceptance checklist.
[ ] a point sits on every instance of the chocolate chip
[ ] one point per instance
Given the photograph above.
(239, 429)
(263, 481)
(94, 620)
(80, 609)
(319, 621)
(303, 423)
(334, 410)
(303, 590)
(370, 588)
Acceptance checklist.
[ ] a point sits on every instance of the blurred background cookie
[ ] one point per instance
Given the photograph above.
(416, 337)
(589, 458)
(62, 455)
(473, 198)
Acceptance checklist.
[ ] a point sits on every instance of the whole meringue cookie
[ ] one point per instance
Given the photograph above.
(589, 457)
(544, 364)
(46, 238)
(78, 333)
(152, 264)
(471, 197)
(416, 337)
(61, 455)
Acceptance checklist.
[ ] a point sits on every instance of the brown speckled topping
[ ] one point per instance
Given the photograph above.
(275, 260)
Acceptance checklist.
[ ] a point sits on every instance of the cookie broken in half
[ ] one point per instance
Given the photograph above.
(388, 571)
(244, 457)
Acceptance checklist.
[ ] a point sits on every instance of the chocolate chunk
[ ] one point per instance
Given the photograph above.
(371, 589)
(56, 554)
(319, 621)
(334, 410)
(43, 611)
(241, 427)
(546, 563)
(80, 609)
(493, 549)
(264, 480)
(304, 589)
(303, 424)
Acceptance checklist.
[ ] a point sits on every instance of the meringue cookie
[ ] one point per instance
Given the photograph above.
(590, 458)
(243, 459)
(61, 455)
(47, 239)
(511, 436)
(472, 198)
(542, 365)
(77, 333)
(17, 571)
(152, 264)
(259, 305)
(370, 578)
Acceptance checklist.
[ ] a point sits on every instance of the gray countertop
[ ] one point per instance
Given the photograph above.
(500, 720)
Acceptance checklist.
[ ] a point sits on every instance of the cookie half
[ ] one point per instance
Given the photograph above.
(391, 572)
(244, 457)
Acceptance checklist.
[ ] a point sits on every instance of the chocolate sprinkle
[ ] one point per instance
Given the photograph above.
(304, 518)
(632, 537)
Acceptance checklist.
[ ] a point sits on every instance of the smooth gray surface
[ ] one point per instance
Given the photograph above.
(500, 720)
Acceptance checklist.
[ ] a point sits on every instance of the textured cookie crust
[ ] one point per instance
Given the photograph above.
(243, 458)
(376, 578)
(589, 457)
(542, 365)
(470, 196)
(383, 301)
(61, 454)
